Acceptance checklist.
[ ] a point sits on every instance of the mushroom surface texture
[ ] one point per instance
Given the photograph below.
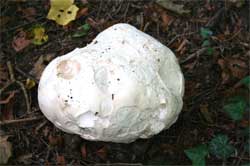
(122, 86)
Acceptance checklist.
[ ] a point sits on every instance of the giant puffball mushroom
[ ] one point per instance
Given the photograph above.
(123, 86)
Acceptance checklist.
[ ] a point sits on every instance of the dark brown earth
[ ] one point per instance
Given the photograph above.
(210, 79)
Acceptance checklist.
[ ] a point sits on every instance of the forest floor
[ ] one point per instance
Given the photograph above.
(211, 40)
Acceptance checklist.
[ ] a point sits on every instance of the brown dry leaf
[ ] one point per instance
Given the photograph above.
(24, 158)
(20, 41)
(225, 72)
(5, 149)
(102, 153)
(96, 24)
(170, 5)
(237, 67)
(84, 2)
(166, 20)
(40, 65)
(84, 151)
(244, 123)
(232, 68)
(55, 140)
(82, 12)
(205, 113)
(60, 160)
(29, 13)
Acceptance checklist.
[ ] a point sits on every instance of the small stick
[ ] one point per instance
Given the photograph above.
(12, 81)
(25, 95)
(5, 101)
(197, 53)
(26, 74)
(7, 122)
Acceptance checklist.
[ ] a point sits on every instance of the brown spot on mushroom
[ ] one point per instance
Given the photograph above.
(67, 69)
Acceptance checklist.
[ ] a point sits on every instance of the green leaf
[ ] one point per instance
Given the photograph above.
(205, 43)
(247, 164)
(236, 108)
(220, 147)
(197, 155)
(246, 81)
(245, 132)
(83, 30)
(210, 51)
(205, 33)
(39, 35)
(86, 27)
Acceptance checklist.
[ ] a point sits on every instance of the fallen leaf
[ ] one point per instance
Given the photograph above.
(38, 35)
(84, 2)
(84, 151)
(60, 160)
(232, 68)
(83, 30)
(23, 158)
(29, 13)
(95, 23)
(170, 5)
(166, 20)
(55, 140)
(205, 113)
(246, 81)
(40, 65)
(62, 11)
(102, 153)
(30, 83)
(220, 147)
(205, 33)
(197, 155)
(20, 41)
(5, 149)
(236, 107)
(82, 12)
(237, 67)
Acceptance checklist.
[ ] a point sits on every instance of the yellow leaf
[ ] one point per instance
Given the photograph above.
(39, 36)
(30, 83)
(62, 11)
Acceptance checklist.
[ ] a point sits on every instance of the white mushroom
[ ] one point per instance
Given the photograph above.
(123, 86)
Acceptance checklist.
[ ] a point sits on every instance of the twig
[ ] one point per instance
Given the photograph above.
(177, 36)
(197, 53)
(5, 101)
(146, 26)
(212, 20)
(25, 95)
(126, 11)
(40, 126)
(26, 74)
(12, 81)
(7, 122)
(11, 72)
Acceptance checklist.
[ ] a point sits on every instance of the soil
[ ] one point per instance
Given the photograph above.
(210, 78)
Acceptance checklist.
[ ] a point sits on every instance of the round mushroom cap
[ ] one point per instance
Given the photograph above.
(123, 86)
